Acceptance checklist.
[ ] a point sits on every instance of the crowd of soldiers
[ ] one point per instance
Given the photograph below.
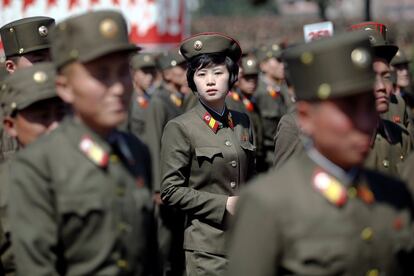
(203, 160)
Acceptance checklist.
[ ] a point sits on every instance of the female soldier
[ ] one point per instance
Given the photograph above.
(207, 153)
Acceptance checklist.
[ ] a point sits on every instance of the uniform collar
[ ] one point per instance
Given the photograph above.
(213, 120)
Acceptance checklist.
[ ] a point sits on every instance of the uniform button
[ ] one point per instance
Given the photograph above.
(113, 158)
(234, 163)
(386, 163)
(233, 184)
(367, 234)
(402, 157)
(372, 272)
(122, 264)
(352, 192)
(227, 143)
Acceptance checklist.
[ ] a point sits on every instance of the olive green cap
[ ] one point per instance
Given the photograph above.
(144, 60)
(250, 65)
(26, 35)
(170, 59)
(377, 33)
(269, 51)
(333, 67)
(210, 43)
(27, 86)
(400, 58)
(89, 36)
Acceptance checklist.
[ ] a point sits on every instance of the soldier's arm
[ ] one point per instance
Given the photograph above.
(254, 237)
(32, 218)
(176, 159)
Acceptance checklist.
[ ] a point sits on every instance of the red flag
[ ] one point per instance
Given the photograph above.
(51, 3)
(27, 3)
(6, 3)
(72, 3)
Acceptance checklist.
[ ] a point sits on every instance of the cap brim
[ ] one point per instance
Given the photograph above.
(386, 52)
(44, 95)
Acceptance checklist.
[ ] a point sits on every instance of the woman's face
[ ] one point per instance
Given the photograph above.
(212, 83)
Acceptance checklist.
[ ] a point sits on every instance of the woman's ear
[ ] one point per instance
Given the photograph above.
(63, 89)
(10, 126)
(304, 112)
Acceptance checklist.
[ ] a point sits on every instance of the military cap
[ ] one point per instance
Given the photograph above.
(269, 51)
(377, 33)
(89, 36)
(27, 86)
(209, 43)
(170, 59)
(250, 65)
(333, 67)
(144, 60)
(26, 35)
(400, 58)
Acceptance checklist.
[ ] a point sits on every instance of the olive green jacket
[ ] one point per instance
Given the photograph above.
(391, 145)
(202, 166)
(162, 108)
(285, 226)
(81, 206)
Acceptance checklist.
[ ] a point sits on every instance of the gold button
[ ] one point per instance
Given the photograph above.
(114, 158)
(402, 157)
(352, 192)
(227, 143)
(373, 272)
(367, 234)
(386, 163)
(233, 184)
(233, 163)
(122, 264)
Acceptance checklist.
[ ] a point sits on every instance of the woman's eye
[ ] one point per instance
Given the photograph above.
(218, 73)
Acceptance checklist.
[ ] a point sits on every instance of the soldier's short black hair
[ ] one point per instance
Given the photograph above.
(205, 60)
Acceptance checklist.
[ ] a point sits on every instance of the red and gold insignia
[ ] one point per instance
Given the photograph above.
(248, 104)
(211, 122)
(142, 102)
(234, 96)
(330, 188)
(365, 194)
(94, 152)
(273, 92)
(176, 100)
(396, 119)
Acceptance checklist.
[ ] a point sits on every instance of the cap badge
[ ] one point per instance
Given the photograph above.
(307, 58)
(43, 31)
(147, 58)
(198, 45)
(108, 28)
(40, 77)
(173, 63)
(324, 91)
(361, 57)
(250, 62)
(275, 47)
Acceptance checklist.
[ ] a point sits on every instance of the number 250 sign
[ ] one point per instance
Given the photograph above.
(317, 31)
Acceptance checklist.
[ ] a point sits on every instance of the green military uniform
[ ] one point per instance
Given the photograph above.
(288, 140)
(164, 106)
(337, 223)
(21, 89)
(139, 103)
(206, 157)
(237, 101)
(273, 102)
(86, 198)
(21, 37)
(408, 172)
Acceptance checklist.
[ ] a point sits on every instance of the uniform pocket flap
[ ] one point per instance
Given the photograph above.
(80, 205)
(247, 146)
(207, 152)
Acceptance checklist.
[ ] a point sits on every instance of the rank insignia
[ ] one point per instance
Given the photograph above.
(211, 122)
(396, 119)
(142, 102)
(176, 100)
(230, 120)
(94, 152)
(365, 194)
(273, 92)
(330, 188)
(234, 96)
(248, 104)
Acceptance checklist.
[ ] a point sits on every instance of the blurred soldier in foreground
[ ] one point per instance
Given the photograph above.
(342, 219)
(83, 189)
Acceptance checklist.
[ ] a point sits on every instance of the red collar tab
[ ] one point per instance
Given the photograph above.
(94, 152)
(330, 188)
